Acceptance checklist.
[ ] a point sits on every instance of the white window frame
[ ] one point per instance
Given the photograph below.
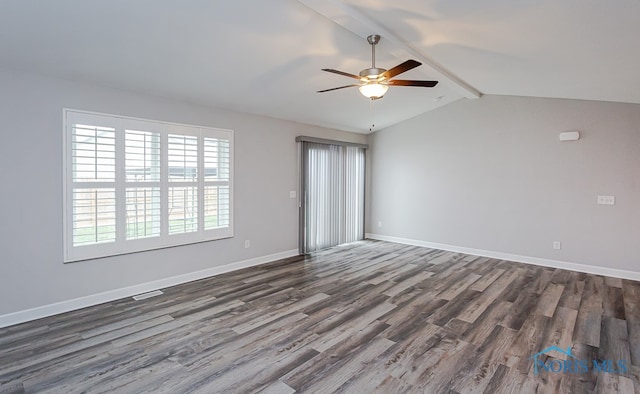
(122, 245)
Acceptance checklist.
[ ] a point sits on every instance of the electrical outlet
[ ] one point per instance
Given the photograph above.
(557, 245)
(292, 194)
(606, 200)
(247, 244)
(379, 224)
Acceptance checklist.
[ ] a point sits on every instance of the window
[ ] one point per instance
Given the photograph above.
(134, 185)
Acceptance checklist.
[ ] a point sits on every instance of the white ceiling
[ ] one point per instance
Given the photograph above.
(264, 57)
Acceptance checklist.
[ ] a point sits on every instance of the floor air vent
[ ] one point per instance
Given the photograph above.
(147, 295)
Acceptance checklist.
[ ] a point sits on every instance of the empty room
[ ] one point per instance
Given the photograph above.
(319, 196)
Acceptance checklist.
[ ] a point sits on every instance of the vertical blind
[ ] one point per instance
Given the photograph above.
(333, 195)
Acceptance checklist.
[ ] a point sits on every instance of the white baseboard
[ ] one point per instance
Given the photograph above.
(589, 269)
(112, 295)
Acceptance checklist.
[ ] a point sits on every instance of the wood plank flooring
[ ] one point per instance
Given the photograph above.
(360, 318)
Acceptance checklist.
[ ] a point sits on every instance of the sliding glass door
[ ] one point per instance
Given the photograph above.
(332, 200)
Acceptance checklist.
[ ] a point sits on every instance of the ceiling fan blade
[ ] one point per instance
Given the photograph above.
(330, 70)
(340, 87)
(400, 68)
(405, 82)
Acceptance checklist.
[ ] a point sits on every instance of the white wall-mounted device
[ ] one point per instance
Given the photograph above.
(569, 136)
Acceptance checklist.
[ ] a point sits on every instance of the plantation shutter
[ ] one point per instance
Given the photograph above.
(217, 206)
(142, 177)
(134, 185)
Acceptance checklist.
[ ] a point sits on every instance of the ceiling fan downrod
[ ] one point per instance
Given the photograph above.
(373, 40)
(373, 72)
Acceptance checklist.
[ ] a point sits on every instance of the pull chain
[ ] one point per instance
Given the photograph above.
(372, 114)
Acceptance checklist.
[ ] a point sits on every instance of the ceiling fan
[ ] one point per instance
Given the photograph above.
(374, 82)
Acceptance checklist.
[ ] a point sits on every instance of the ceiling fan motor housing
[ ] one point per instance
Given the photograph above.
(372, 73)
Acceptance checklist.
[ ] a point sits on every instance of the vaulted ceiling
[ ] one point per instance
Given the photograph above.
(264, 57)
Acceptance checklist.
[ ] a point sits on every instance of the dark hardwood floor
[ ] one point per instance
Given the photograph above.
(366, 317)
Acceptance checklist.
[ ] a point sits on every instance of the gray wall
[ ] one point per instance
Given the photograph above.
(31, 270)
(491, 174)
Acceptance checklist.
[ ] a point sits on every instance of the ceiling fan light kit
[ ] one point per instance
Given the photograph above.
(374, 81)
(373, 91)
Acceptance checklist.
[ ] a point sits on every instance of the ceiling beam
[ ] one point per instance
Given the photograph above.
(356, 22)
